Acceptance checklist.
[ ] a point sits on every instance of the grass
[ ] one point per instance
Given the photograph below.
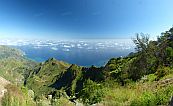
(17, 96)
(118, 96)
(62, 102)
(137, 94)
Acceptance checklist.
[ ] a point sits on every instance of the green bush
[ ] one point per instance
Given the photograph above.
(62, 102)
(159, 97)
(163, 95)
(91, 93)
(162, 71)
(146, 99)
(149, 78)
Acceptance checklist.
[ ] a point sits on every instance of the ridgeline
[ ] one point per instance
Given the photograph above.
(143, 78)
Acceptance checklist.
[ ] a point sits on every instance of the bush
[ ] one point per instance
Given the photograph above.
(162, 71)
(91, 93)
(160, 97)
(149, 78)
(146, 99)
(163, 95)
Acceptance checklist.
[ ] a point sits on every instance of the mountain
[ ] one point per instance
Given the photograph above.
(44, 74)
(7, 52)
(138, 74)
(143, 78)
(13, 64)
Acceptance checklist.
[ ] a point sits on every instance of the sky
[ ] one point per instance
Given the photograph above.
(84, 19)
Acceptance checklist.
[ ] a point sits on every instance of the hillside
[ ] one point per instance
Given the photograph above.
(8, 52)
(143, 78)
(13, 64)
(44, 75)
(3, 83)
(13, 67)
(131, 80)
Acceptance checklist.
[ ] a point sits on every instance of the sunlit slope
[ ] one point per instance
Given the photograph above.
(13, 64)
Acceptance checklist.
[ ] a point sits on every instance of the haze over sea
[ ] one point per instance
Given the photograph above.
(85, 52)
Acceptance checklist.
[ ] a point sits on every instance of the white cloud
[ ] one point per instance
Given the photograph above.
(54, 48)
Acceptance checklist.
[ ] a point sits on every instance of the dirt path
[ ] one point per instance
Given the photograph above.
(3, 83)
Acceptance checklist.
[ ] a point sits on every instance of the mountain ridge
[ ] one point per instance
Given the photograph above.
(122, 81)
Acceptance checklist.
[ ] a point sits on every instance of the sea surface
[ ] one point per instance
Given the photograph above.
(80, 52)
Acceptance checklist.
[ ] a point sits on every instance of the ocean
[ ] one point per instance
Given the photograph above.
(84, 53)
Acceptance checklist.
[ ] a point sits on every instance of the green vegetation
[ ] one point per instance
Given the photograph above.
(139, 79)
(13, 65)
(17, 97)
(44, 75)
(91, 93)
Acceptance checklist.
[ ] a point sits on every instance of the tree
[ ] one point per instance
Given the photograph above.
(169, 54)
(141, 41)
(145, 59)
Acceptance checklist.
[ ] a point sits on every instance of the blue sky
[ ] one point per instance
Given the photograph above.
(84, 19)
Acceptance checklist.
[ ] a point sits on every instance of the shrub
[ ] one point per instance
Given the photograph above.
(162, 71)
(146, 99)
(149, 78)
(163, 95)
(160, 97)
(62, 102)
(91, 93)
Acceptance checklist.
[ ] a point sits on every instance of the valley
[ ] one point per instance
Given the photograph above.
(138, 79)
(86, 53)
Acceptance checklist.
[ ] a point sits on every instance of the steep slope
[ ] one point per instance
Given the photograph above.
(54, 77)
(13, 64)
(70, 80)
(14, 67)
(44, 75)
(3, 83)
(132, 80)
(125, 80)
(8, 52)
